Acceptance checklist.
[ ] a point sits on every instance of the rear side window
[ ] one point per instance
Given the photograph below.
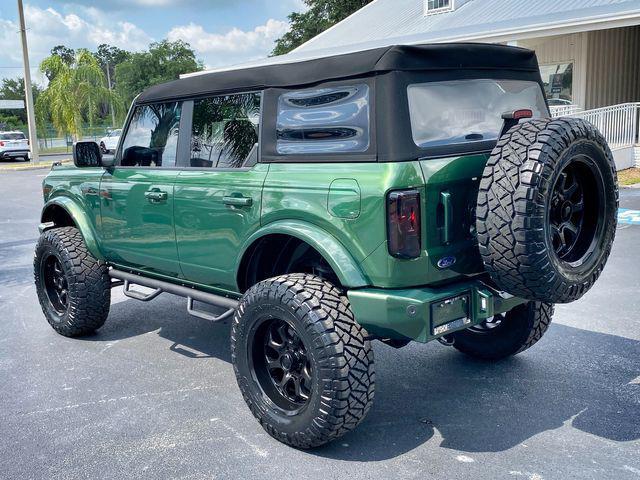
(467, 111)
(152, 136)
(225, 131)
(324, 120)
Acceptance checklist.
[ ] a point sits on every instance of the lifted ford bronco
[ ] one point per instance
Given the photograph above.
(402, 193)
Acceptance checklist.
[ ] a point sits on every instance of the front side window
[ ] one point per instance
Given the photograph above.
(152, 136)
(462, 112)
(324, 120)
(225, 131)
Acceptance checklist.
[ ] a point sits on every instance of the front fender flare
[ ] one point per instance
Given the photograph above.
(81, 220)
(336, 255)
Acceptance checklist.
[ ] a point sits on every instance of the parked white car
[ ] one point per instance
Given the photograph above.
(109, 142)
(14, 145)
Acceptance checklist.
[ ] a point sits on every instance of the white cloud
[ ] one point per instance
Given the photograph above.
(87, 26)
(232, 47)
(48, 27)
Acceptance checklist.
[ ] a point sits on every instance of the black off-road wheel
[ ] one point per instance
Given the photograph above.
(505, 334)
(73, 287)
(303, 365)
(547, 207)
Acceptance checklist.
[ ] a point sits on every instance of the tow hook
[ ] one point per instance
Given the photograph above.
(446, 340)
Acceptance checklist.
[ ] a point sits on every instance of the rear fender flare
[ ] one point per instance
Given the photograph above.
(336, 255)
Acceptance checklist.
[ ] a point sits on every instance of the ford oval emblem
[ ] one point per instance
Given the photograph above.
(446, 262)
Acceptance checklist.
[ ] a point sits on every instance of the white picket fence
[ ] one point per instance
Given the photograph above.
(620, 125)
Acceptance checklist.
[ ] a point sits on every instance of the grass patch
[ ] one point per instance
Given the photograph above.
(64, 149)
(629, 176)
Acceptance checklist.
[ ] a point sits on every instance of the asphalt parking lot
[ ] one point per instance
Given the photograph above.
(152, 395)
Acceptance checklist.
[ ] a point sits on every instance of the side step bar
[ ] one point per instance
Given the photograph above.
(159, 287)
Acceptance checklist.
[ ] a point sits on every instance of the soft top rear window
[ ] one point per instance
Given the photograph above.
(464, 112)
(12, 136)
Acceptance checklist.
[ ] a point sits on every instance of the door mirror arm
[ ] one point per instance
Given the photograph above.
(108, 162)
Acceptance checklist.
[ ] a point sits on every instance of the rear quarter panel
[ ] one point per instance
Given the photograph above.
(307, 192)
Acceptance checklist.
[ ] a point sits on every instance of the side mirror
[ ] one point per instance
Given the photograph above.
(87, 154)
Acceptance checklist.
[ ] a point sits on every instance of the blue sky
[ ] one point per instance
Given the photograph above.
(223, 32)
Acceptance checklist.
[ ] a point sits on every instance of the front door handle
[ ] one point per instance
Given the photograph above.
(238, 201)
(156, 196)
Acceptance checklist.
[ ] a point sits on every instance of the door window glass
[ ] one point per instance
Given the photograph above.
(225, 131)
(152, 136)
(324, 120)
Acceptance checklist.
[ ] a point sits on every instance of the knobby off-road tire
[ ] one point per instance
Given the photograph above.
(547, 206)
(506, 334)
(73, 287)
(305, 318)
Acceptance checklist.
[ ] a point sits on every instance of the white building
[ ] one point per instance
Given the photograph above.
(588, 50)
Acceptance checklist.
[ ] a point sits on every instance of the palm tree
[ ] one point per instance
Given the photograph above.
(75, 93)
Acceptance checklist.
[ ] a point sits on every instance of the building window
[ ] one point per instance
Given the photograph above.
(438, 6)
(323, 121)
(558, 83)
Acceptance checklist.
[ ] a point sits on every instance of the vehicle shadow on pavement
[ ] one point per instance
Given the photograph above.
(433, 393)
(191, 336)
(424, 393)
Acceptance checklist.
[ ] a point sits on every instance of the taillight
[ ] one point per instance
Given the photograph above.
(28, 142)
(1, 144)
(403, 223)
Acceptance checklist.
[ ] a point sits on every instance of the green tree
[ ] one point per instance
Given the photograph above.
(13, 89)
(163, 62)
(320, 15)
(75, 93)
(67, 56)
(109, 56)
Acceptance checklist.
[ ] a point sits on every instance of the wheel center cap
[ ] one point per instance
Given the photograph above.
(287, 361)
(566, 210)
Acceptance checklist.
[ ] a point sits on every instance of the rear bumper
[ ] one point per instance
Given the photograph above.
(15, 153)
(425, 314)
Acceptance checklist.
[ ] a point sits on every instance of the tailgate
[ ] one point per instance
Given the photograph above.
(15, 144)
(451, 192)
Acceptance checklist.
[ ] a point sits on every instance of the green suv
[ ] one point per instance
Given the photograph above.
(405, 193)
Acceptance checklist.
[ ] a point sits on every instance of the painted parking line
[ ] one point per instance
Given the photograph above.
(628, 216)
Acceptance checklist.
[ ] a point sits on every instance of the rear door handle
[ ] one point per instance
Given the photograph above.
(155, 196)
(238, 201)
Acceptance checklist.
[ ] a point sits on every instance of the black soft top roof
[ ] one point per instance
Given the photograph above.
(452, 56)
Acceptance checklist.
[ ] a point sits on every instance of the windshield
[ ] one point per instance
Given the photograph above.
(114, 133)
(467, 111)
(12, 136)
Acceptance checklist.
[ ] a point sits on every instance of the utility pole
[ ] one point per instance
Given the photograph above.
(113, 115)
(28, 93)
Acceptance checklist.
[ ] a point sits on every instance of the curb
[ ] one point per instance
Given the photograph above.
(39, 166)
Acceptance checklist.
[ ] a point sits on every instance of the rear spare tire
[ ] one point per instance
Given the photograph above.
(546, 213)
